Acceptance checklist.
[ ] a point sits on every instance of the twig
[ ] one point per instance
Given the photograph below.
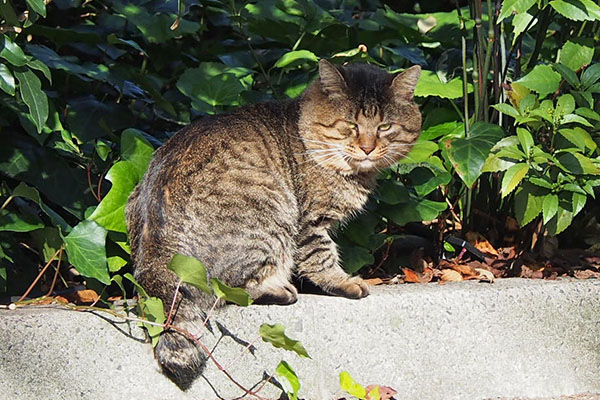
(56, 273)
(173, 302)
(89, 177)
(40, 274)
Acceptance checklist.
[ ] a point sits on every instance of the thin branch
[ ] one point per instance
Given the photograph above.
(40, 274)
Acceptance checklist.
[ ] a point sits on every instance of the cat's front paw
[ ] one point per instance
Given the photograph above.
(353, 288)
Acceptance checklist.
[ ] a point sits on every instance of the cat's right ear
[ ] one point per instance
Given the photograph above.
(332, 81)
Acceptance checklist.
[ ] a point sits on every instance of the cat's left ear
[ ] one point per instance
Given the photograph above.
(404, 83)
(332, 81)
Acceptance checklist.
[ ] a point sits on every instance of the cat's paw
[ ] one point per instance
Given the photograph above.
(353, 288)
(282, 296)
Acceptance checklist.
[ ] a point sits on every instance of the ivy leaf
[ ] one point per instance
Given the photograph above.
(190, 270)
(275, 334)
(413, 211)
(421, 151)
(28, 192)
(110, 213)
(13, 222)
(542, 79)
(576, 10)
(512, 177)
(85, 246)
(137, 150)
(355, 257)
(7, 80)
(349, 385)
(290, 381)
(222, 89)
(469, 154)
(234, 295)
(30, 88)
(152, 309)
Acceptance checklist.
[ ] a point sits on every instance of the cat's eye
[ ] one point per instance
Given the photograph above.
(384, 127)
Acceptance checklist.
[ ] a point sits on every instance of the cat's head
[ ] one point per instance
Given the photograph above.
(359, 118)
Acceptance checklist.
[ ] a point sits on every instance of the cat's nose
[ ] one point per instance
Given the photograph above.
(367, 149)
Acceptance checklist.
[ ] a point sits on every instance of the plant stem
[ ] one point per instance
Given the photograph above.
(541, 36)
(463, 40)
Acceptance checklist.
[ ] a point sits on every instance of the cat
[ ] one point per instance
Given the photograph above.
(254, 193)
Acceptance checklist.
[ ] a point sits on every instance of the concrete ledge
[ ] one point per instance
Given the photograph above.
(514, 338)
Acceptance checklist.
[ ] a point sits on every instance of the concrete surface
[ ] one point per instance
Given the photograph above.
(513, 338)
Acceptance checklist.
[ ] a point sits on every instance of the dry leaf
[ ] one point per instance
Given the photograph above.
(385, 392)
(586, 274)
(427, 275)
(426, 24)
(481, 243)
(450, 275)
(411, 276)
(61, 299)
(484, 275)
(372, 281)
(83, 296)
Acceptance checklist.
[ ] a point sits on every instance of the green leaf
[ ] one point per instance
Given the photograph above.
(560, 221)
(374, 393)
(275, 334)
(590, 76)
(136, 150)
(575, 55)
(512, 177)
(413, 211)
(28, 192)
(526, 139)
(349, 385)
(494, 163)
(11, 52)
(7, 80)
(40, 66)
(290, 381)
(549, 207)
(567, 74)
(469, 154)
(293, 59)
(542, 79)
(575, 136)
(565, 105)
(392, 192)
(576, 10)
(528, 202)
(39, 6)
(110, 213)
(234, 295)
(142, 292)
(577, 163)
(578, 202)
(355, 257)
(520, 22)
(115, 263)
(13, 222)
(30, 88)
(514, 6)
(152, 309)
(507, 109)
(190, 270)
(421, 151)
(85, 247)
(201, 84)
(430, 85)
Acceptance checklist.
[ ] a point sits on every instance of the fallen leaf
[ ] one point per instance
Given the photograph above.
(385, 392)
(83, 296)
(481, 243)
(427, 275)
(372, 281)
(463, 269)
(61, 299)
(411, 276)
(484, 275)
(426, 24)
(586, 274)
(450, 275)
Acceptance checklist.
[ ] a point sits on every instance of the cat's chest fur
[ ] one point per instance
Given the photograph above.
(329, 196)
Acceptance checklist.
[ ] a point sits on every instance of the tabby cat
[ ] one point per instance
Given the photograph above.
(254, 193)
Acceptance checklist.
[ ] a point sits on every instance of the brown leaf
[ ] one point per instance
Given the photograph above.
(463, 269)
(385, 392)
(450, 275)
(484, 275)
(481, 243)
(61, 299)
(586, 274)
(427, 275)
(372, 281)
(411, 276)
(83, 296)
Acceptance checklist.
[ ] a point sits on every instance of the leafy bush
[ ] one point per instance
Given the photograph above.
(90, 89)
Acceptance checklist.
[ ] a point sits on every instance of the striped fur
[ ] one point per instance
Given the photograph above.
(254, 193)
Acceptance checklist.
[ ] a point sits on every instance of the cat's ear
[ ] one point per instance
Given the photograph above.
(404, 84)
(332, 81)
